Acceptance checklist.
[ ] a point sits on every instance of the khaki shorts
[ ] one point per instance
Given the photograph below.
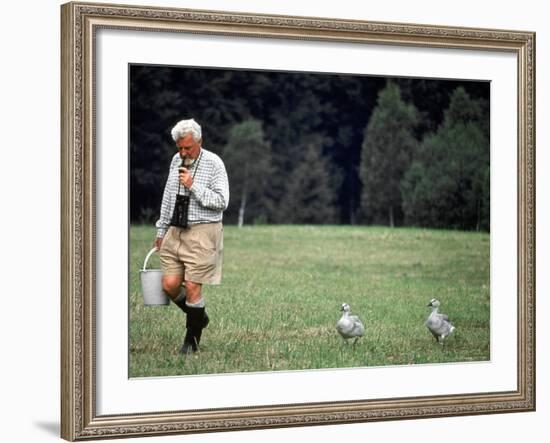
(194, 253)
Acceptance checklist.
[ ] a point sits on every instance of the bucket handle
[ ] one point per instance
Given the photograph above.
(151, 252)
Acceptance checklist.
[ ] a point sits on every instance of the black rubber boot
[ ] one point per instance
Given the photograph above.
(180, 302)
(196, 319)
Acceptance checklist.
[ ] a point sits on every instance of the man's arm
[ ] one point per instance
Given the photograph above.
(216, 197)
(163, 222)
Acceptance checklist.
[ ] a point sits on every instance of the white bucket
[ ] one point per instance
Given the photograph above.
(151, 284)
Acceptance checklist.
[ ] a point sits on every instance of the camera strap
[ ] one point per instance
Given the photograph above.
(194, 173)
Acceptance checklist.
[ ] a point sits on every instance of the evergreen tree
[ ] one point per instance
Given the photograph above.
(448, 183)
(310, 192)
(247, 158)
(387, 149)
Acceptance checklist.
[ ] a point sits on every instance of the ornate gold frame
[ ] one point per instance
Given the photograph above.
(79, 23)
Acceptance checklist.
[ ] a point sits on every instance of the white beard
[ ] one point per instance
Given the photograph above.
(188, 161)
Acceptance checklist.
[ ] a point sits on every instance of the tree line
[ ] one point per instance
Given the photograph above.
(320, 148)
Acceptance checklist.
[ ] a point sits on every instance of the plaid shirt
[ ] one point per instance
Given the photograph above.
(209, 192)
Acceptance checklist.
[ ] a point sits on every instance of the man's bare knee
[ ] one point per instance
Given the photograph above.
(171, 285)
(193, 291)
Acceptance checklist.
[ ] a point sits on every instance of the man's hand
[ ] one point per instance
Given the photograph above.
(186, 179)
(158, 243)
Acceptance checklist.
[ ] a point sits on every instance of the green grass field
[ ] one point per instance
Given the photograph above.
(282, 288)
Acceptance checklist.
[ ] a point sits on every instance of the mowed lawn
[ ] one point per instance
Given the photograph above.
(282, 288)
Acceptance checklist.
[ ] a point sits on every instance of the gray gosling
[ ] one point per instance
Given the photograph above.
(438, 324)
(349, 326)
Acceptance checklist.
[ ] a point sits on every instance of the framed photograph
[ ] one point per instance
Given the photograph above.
(376, 183)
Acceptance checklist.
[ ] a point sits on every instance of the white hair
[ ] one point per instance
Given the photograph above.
(184, 127)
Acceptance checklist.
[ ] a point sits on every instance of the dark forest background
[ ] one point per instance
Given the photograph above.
(320, 148)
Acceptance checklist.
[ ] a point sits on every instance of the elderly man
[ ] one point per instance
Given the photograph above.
(190, 231)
